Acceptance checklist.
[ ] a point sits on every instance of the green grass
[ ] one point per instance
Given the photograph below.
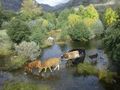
(103, 75)
(86, 69)
(25, 86)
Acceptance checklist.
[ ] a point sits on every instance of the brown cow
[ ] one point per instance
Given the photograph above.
(52, 62)
(34, 64)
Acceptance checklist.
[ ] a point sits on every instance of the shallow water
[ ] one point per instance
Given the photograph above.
(66, 77)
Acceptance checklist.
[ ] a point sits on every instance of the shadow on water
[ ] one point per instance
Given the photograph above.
(65, 78)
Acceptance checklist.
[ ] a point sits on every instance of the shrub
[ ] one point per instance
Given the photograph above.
(112, 43)
(39, 33)
(97, 28)
(86, 69)
(73, 19)
(28, 49)
(29, 10)
(79, 32)
(5, 44)
(106, 76)
(15, 62)
(18, 31)
(110, 16)
(24, 86)
(91, 12)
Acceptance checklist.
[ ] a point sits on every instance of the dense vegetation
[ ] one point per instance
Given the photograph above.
(23, 34)
(112, 39)
(24, 86)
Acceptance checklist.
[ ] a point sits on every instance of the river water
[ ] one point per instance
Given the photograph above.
(65, 78)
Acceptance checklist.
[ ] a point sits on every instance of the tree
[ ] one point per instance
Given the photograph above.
(110, 16)
(112, 39)
(79, 32)
(73, 19)
(18, 30)
(38, 33)
(29, 10)
(91, 12)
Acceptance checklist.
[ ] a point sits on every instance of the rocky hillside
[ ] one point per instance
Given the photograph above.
(13, 5)
(16, 4)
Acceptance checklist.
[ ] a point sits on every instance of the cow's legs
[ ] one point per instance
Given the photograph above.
(50, 69)
(57, 67)
(45, 69)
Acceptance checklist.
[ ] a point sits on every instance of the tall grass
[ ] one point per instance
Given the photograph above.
(103, 75)
(24, 86)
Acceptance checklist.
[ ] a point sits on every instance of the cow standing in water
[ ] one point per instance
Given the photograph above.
(49, 63)
(33, 65)
(75, 56)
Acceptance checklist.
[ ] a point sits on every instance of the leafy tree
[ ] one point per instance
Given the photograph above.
(63, 18)
(45, 23)
(6, 15)
(73, 19)
(112, 39)
(29, 10)
(110, 16)
(79, 32)
(90, 12)
(38, 33)
(18, 30)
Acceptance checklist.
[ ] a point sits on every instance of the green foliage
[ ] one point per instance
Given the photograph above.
(30, 50)
(64, 35)
(112, 40)
(24, 86)
(106, 76)
(39, 32)
(117, 23)
(97, 28)
(86, 69)
(110, 16)
(51, 19)
(73, 19)
(63, 18)
(5, 15)
(15, 62)
(79, 32)
(18, 30)
(29, 10)
(5, 44)
(88, 12)
(91, 12)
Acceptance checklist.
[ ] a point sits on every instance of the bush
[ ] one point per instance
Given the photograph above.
(18, 30)
(80, 32)
(112, 43)
(97, 28)
(5, 44)
(106, 76)
(86, 69)
(24, 86)
(73, 19)
(28, 49)
(110, 16)
(91, 12)
(15, 62)
(29, 11)
(39, 33)
(103, 75)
